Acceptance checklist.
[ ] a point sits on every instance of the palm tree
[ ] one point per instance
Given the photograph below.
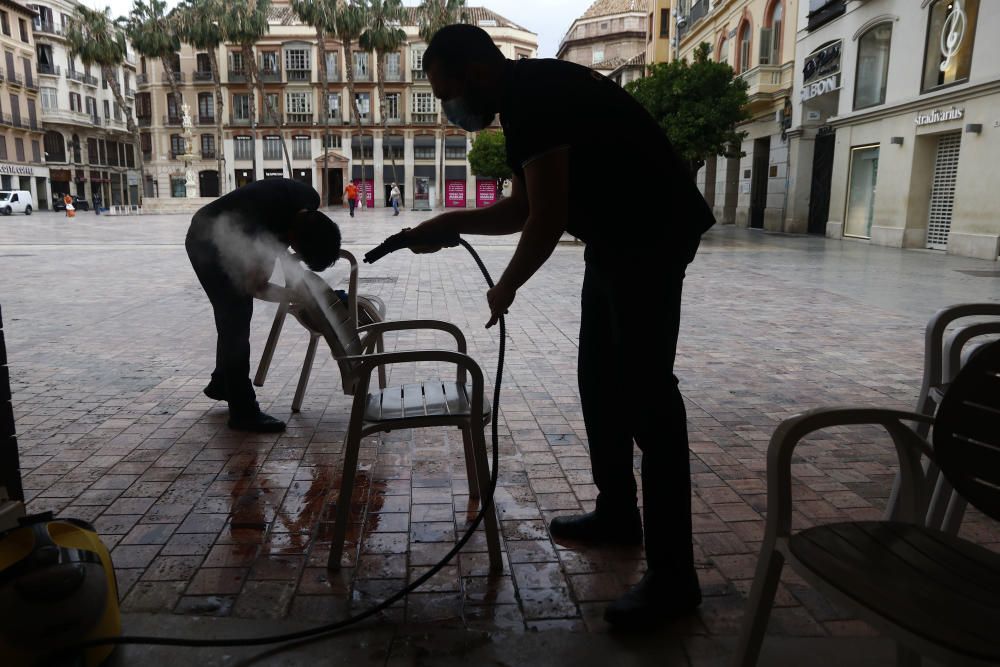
(384, 36)
(197, 22)
(244, 23)
(432, 15)
(350, 22)
(321, 15)
(153, 36)
(97, 40)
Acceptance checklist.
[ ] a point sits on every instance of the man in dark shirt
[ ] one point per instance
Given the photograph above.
(565, 125)
(233, 244)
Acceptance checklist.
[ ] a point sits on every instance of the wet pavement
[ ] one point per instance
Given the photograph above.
(111, 340)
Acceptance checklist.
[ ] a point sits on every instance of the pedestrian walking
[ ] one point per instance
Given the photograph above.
(68, 202)
(351, 192)
(560, 121)
(394, 195)
(97, 203)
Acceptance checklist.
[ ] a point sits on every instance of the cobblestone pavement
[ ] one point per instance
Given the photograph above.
(111, 341)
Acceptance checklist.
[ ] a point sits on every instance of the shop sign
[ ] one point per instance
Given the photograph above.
(274, 173)
(821, 87)
(454, 194)
(486, 193)
(17, 169)
(939, 116)
(822, 63)
(368, 192)
(952, 33)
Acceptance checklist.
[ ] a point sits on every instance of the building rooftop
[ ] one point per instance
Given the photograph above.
(610, 7)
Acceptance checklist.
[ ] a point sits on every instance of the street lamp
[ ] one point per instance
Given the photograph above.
(679, 23)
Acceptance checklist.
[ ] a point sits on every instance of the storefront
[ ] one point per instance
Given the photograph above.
(27, 177)
(365, 182)
(454, 186)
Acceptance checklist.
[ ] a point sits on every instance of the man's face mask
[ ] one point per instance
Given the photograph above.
(467, 113)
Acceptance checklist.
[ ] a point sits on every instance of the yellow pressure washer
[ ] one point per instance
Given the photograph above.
(57, 589)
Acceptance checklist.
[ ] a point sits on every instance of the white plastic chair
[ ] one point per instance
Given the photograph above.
(419, 405)
(934, 593)
(362, 309)
(951, 336)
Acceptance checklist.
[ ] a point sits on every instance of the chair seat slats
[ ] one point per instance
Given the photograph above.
(413, 401)
(931, 583)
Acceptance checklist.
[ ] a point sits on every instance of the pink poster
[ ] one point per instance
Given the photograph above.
(454, 194)
(368, 192)
(486, 193)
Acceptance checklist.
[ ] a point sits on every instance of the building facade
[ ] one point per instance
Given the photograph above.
(428, 156)
(896, 124)
(88, 149)
(754, 37)
(660, 31)
(21, 161)
(609, 35)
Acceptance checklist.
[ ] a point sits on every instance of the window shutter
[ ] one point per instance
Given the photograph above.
(766, 47)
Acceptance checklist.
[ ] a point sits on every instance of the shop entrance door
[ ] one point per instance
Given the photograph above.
(819, 190)
(334, 187)
(758, 183)
(943, 190)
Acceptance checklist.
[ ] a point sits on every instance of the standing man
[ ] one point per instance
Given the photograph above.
(561, 122)
(394, 196)
(233, 244)
(351, 191)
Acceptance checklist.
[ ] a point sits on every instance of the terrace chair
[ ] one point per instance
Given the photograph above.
(419, 405)
(363, 309)
(934, 593)
(951, 336)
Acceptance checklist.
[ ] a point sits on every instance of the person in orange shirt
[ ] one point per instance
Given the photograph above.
(352, 196)
(68, 201)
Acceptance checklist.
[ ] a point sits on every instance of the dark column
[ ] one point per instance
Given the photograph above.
(10, 468)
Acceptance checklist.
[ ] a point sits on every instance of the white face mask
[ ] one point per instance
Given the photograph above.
(458, 112)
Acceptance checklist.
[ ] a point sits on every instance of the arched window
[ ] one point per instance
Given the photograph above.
(873, 66)
(743, 63)
(722, 52)
(770, 35)
(55, 147)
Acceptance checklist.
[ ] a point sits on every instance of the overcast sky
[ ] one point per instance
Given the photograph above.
(549, 18)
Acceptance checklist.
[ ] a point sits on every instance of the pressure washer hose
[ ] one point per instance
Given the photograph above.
(328, 628)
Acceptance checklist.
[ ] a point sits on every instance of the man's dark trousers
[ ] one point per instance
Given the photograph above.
(233, 309)
(628, 339)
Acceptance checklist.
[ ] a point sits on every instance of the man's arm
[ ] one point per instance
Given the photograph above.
(547, 188)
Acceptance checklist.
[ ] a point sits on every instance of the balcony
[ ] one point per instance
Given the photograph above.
(299, 119)
(48, 28)
(237, 76)
(31, 84)
(425, 118)
(362, 76)
(178, 77)
(333, 76)
(208, 154)
(90, 80)
(48, 70)
(128, 92)
(393, 77)
(141, 79)
(206, 120)
(147, 155)
(240, 122)
(5, 119)
(270, 75)
(419, 75)
(171, 121)
(96, 121)
(176, 155)
(299, 74)
(202, 77)
(14, 80)
(143, 121)
(766, 83)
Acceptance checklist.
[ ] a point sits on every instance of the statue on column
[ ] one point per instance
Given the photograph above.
(190, 182)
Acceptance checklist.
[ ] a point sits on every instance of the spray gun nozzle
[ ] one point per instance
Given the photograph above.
(404, 239)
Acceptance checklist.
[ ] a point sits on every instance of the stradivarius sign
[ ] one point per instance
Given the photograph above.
(939, 116)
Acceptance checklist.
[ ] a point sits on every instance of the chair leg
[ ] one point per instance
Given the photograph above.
(758, 609)
(300, 390)
(481, 459)
(954, 514)
(470, 463)
(272, 342)
(906, 657)
(351, 446)
(380, 348)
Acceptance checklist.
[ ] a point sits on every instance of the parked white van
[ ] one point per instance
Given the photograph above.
(15, 201)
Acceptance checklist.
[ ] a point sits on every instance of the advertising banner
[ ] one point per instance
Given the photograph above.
(454, 194)
(486, 193)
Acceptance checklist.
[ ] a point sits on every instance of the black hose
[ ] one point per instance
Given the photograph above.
(396, 597)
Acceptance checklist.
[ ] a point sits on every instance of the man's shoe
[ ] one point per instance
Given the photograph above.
(216, 390)
(656, 598)
(256, 422)
(599, 529)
